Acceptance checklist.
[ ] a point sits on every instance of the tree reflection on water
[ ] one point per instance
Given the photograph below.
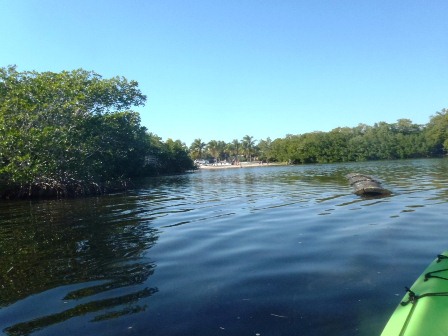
(97, 244)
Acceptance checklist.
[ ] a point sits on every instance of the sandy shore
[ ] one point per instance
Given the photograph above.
(242, 165)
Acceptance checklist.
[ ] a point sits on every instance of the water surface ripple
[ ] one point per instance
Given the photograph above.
(267, 250)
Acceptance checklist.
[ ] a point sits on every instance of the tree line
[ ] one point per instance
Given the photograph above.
(382, 141)
(73, 133)
(221, 151)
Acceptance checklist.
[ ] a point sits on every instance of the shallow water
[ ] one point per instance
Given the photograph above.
(265, 250)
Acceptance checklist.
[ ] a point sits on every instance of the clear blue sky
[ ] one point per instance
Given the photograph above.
(221, 69)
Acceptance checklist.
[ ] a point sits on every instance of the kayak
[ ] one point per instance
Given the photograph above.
(424, 308)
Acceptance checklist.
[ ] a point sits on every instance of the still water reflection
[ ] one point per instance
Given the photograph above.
(62, 259)
(268, 251)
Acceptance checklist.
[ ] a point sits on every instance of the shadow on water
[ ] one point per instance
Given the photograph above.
(89, 254)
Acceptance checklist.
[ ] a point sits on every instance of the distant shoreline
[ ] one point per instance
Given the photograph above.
(241, 165)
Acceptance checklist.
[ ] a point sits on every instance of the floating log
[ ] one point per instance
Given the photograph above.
(364, 185)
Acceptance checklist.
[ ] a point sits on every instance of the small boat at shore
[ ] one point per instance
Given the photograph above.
(365, 185)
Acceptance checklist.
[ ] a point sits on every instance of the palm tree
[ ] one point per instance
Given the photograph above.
(236, 147)
(213, 149)
(197, 148)
(230, 151)
(248, 144)
(221, 149)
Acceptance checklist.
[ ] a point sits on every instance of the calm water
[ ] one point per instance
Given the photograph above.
(253, 251)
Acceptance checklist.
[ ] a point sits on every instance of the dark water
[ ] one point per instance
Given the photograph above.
(253, 251)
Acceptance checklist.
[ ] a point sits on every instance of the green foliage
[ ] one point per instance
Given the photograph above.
(214, 149)
(197, 149)
(166, 157)
(382, 141)
(265, 150)
(436, 132)
(234, 149)
(115, 145)
(72, 133)
(175, 157)
(248, 146)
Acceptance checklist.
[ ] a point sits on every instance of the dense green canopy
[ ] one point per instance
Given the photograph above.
(382, 141)
(73, 133)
